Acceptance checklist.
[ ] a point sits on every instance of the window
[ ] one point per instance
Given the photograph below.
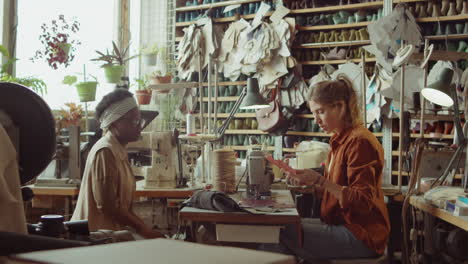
(97, 30)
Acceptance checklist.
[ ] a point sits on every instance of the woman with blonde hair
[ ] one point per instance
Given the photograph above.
(354, 221)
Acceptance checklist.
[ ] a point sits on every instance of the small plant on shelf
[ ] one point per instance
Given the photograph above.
(143, 93)
(59, 42)
(71, 116)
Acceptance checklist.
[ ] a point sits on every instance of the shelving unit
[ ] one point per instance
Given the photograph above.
(337, 26)
(371, 5)
(219, 4)
(325, 45)
(332, 44)
(334, 61)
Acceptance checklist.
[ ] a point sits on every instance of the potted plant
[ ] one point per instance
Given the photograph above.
(143, 94)
(59, 42)
(86, 89)
(114, 63)
(149, 54)
(164, 64)
(71, 116)
(36, 84)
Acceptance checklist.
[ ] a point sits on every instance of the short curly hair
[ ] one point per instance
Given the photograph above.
(110, 98)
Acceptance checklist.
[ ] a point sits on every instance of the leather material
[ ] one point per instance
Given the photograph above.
(270, 118)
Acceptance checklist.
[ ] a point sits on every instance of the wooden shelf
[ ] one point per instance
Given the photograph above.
(408, 1)
(246, 147)
(310, 134)
(222, 19)
(449, 37)
(222, 99)
(332, 44)
(372, 5)
(250, 146)
(441, 19)
(334, 61)
(337, 26)
(244, 132)
(238, 115)
(434, 117)
(219, 4)
(405, 174)
(420, 202)
(250, 115)
(167, 86)
(228, 83)
(416, 135)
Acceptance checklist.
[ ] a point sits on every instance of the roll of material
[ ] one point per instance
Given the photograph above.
(190, 123)
(223, 170)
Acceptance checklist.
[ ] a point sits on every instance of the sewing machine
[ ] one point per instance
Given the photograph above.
(258, 181)
(161, 149)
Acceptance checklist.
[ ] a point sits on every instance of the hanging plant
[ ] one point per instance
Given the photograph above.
(59, 42)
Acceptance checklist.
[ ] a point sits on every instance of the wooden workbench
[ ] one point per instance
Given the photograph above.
(460, 221)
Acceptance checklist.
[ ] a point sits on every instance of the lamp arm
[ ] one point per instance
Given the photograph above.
(458, 128)
(224, 126)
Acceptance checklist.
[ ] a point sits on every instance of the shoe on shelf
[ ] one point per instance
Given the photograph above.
(422, 11)
(436, 11)
(438, 29)
(429, 7)
(351, 20)
(360, 16)
(353, 35)
(464, 8)
(459, 6)
(445, 7)
(462, 46)
(449, 30)
(335, 54)
(344, 35)
(363, 34)
(452, 9)
(459, 28)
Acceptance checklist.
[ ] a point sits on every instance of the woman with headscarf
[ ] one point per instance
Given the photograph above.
(108, 184)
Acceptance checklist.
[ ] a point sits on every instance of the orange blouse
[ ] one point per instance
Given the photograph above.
(357, 164)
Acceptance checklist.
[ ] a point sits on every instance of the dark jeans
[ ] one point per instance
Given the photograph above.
(321, 241)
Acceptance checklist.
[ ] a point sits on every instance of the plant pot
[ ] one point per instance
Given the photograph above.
(86, 91)
(143, 96)
(149, 59)
(114, 73)
(160, 79)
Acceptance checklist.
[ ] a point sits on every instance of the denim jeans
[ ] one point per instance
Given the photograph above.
(321, 241)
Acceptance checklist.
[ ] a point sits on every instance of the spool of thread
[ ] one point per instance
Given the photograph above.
(224, 170)
(190, 123)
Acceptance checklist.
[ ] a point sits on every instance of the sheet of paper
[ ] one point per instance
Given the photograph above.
(279, 13)
(231, 7)
(260, 14)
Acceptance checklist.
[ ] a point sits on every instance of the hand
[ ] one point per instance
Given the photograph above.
(150, 233)
(304, 177)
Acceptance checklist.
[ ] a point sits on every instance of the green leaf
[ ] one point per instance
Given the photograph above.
(4, 51)
(69, 80)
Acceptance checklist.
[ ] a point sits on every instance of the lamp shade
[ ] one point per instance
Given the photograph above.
(253, 99)
(438, 92)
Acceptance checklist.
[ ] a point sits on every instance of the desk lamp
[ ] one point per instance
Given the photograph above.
(250, 98)
(442, 92)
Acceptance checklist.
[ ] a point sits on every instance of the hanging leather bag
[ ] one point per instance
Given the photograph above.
(271, 118)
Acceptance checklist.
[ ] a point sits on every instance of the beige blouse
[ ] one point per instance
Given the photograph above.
(108, 181)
